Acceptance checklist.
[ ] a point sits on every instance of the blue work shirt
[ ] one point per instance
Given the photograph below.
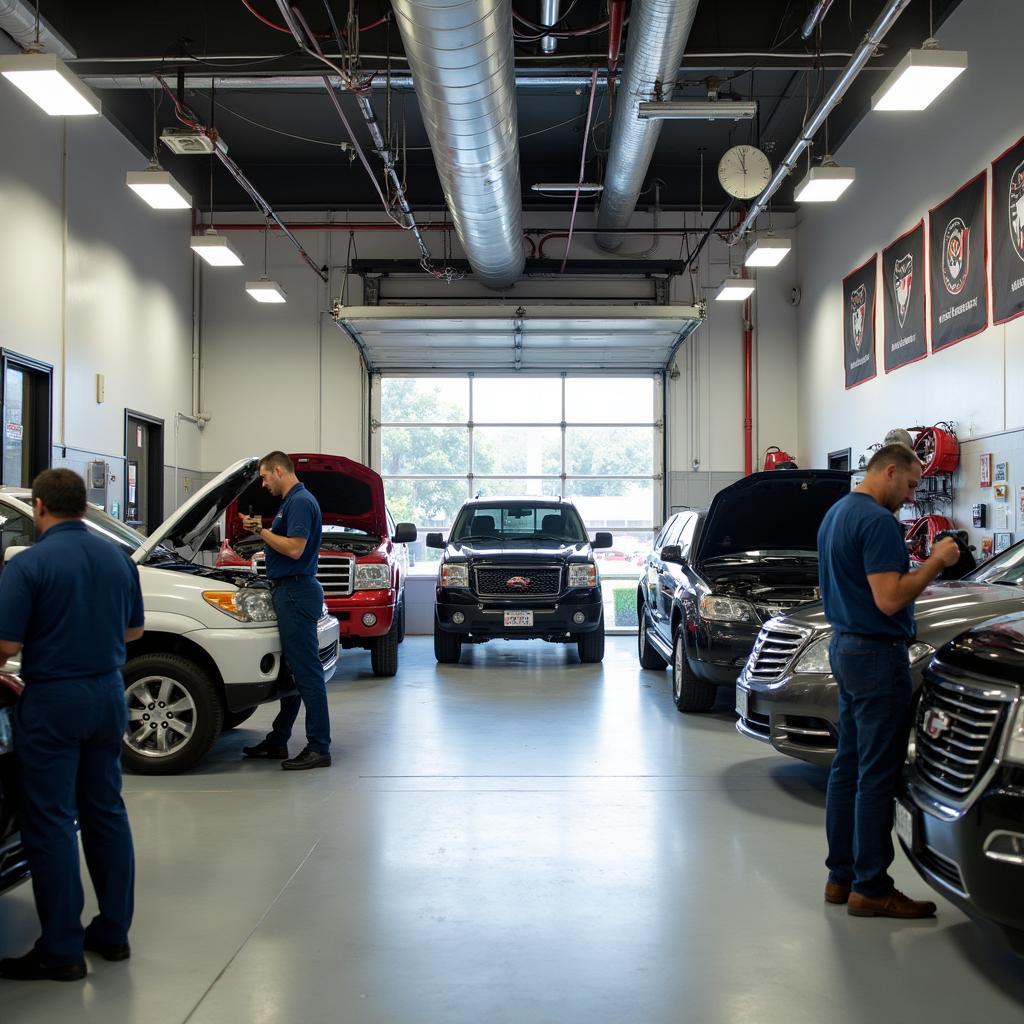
(68, 601)
(298, 516)
(857, 538)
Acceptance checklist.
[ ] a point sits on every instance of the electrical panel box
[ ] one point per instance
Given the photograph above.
(978, 515)
(97, 473)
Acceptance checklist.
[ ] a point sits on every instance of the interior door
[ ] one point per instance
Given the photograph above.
(144, 467)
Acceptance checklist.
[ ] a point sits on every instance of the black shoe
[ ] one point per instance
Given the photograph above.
(309, 758)
(30, 968)
(266, 749)
(114, 952)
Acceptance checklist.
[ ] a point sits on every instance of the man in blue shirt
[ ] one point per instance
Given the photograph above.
(869, 591)
(293, 554)
(69, 604)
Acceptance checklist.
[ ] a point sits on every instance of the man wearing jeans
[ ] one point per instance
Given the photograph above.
(868, 591)
(292, 553)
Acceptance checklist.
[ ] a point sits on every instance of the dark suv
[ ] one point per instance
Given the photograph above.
(518, 568)
(960, 817)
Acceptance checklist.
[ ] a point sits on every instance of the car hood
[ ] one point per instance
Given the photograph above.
(942, 611)
(778, 510)
(185, 529)
(349, 494)
(552, 552)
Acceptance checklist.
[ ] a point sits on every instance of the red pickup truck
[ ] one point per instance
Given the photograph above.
(363, 555)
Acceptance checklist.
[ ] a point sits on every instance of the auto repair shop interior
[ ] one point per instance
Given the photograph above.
(576, 317)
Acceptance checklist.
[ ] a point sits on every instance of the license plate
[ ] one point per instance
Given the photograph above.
(905, 825)
(6, 731)
(742, 701)
(518, 618)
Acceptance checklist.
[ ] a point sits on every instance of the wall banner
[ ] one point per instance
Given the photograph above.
(904, 337)
(957, 251)
(859, 323)
(1008, 235)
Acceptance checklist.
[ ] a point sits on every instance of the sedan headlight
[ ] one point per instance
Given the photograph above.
(919, 650)
(815, 659)
(454, 574)
(726, 609)
(373, 576)
(583, 575)
(247, 605)
(1015, 743)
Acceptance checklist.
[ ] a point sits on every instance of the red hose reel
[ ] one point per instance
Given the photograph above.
(938, 450)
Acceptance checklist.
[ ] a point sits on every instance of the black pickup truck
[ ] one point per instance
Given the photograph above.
(518, 568)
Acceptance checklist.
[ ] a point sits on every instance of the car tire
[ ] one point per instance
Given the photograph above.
(190, 730)
(401, 619)
(591, 646)
(647, 655)
(233, 719)
(384, 652)
(447, 646)
(688, 692)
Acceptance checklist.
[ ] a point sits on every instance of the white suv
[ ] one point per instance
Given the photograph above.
(211, 651)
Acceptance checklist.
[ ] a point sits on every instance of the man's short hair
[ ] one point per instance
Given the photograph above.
(893, 455)
(276, 460)
(62, 493)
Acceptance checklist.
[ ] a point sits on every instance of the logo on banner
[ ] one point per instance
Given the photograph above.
(858, 308)
(903, 283)
(1016, 204)
(955, 256)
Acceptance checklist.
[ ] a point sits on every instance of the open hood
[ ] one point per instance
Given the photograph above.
(349, 494)
(778, 510)
(185, 529)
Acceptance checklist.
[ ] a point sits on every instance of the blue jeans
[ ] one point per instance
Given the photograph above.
(875, 691)
(298, 602)
(68, 749)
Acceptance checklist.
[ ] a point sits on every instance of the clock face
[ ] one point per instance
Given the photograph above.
(744, 171)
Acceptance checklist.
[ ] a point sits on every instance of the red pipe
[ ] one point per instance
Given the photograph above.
(748, 412)
(616, 16)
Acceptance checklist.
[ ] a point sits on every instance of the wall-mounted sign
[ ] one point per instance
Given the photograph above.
(1008, 234)
(985, 470)
(957, 252)
(859, 323)
(904, 337)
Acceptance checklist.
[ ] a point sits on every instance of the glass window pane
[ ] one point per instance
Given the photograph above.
(609, 400)
(550, 487)
(432, 505)
(424, 399)
(500, 451)
(609, 451)
(620, 506)
(517, 400)
(422, 451)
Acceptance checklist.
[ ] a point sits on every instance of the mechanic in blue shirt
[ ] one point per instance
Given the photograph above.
(293, 553)
(868, 590)
(69, 604)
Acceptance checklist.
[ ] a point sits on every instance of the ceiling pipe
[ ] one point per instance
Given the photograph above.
(550, 12)
(18, 20)
(312, 82)
(463, 67)
(658, 30)
(886, 19)
(815, 18)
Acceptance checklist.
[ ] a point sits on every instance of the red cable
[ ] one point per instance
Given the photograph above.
(284, 28)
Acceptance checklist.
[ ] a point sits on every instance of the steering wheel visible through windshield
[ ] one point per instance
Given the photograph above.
(501, 523)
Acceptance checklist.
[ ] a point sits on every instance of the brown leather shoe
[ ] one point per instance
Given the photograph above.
(836, 893)
(893, 904)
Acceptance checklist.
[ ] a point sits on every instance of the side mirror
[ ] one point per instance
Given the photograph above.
(435, 540)
(405, 533)
(672, 553)
(14, 549)
(602, 540)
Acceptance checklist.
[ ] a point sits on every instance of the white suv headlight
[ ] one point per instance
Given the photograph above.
(919, 650)
(726, 609)
(1015, 742)
(583, 575)
(815, 660)
(247, 605)
(454, 574)
(373, 576)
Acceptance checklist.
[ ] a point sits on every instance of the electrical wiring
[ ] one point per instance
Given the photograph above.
(590, 30)
(284, 28)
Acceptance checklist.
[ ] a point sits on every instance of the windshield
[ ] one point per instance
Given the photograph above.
(500, 523)
(1007, 567)
(113, 529)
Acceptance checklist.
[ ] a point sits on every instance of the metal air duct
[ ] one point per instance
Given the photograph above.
(18, 20)
(658, 30)
(461, 58)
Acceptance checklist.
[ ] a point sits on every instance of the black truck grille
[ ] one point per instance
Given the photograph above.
(518, 581)
(776, 646)
(958, 726)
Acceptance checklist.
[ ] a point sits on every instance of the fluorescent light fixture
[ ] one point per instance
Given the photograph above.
(215, 250)
(47, 81)
(767, 252)
(265, 290)
(735, 289)
(824, 184)
(919, 78)
(159, 189)
(567, 186)
(699, 110)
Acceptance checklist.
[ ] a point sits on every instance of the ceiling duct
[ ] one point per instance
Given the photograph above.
(658, 30)
(461, 58)
(18, 20)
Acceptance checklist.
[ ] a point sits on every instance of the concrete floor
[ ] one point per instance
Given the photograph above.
(518, 838)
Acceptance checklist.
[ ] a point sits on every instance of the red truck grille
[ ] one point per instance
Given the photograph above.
(336, 573)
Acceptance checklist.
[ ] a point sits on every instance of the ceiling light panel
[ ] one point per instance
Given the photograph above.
(265, 290)
(48, 82)
(216, 250)
(735, 289)
(919, 78)
(767, 252)
(824, 184)
(698, 110)
(159, 189)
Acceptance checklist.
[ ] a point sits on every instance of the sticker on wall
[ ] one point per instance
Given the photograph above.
(903, 304)
(1001, 541)
(985, 470)
(1008, 234)
(1001, 492)
(957, 250)
(1002, 472)
(859, 323)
